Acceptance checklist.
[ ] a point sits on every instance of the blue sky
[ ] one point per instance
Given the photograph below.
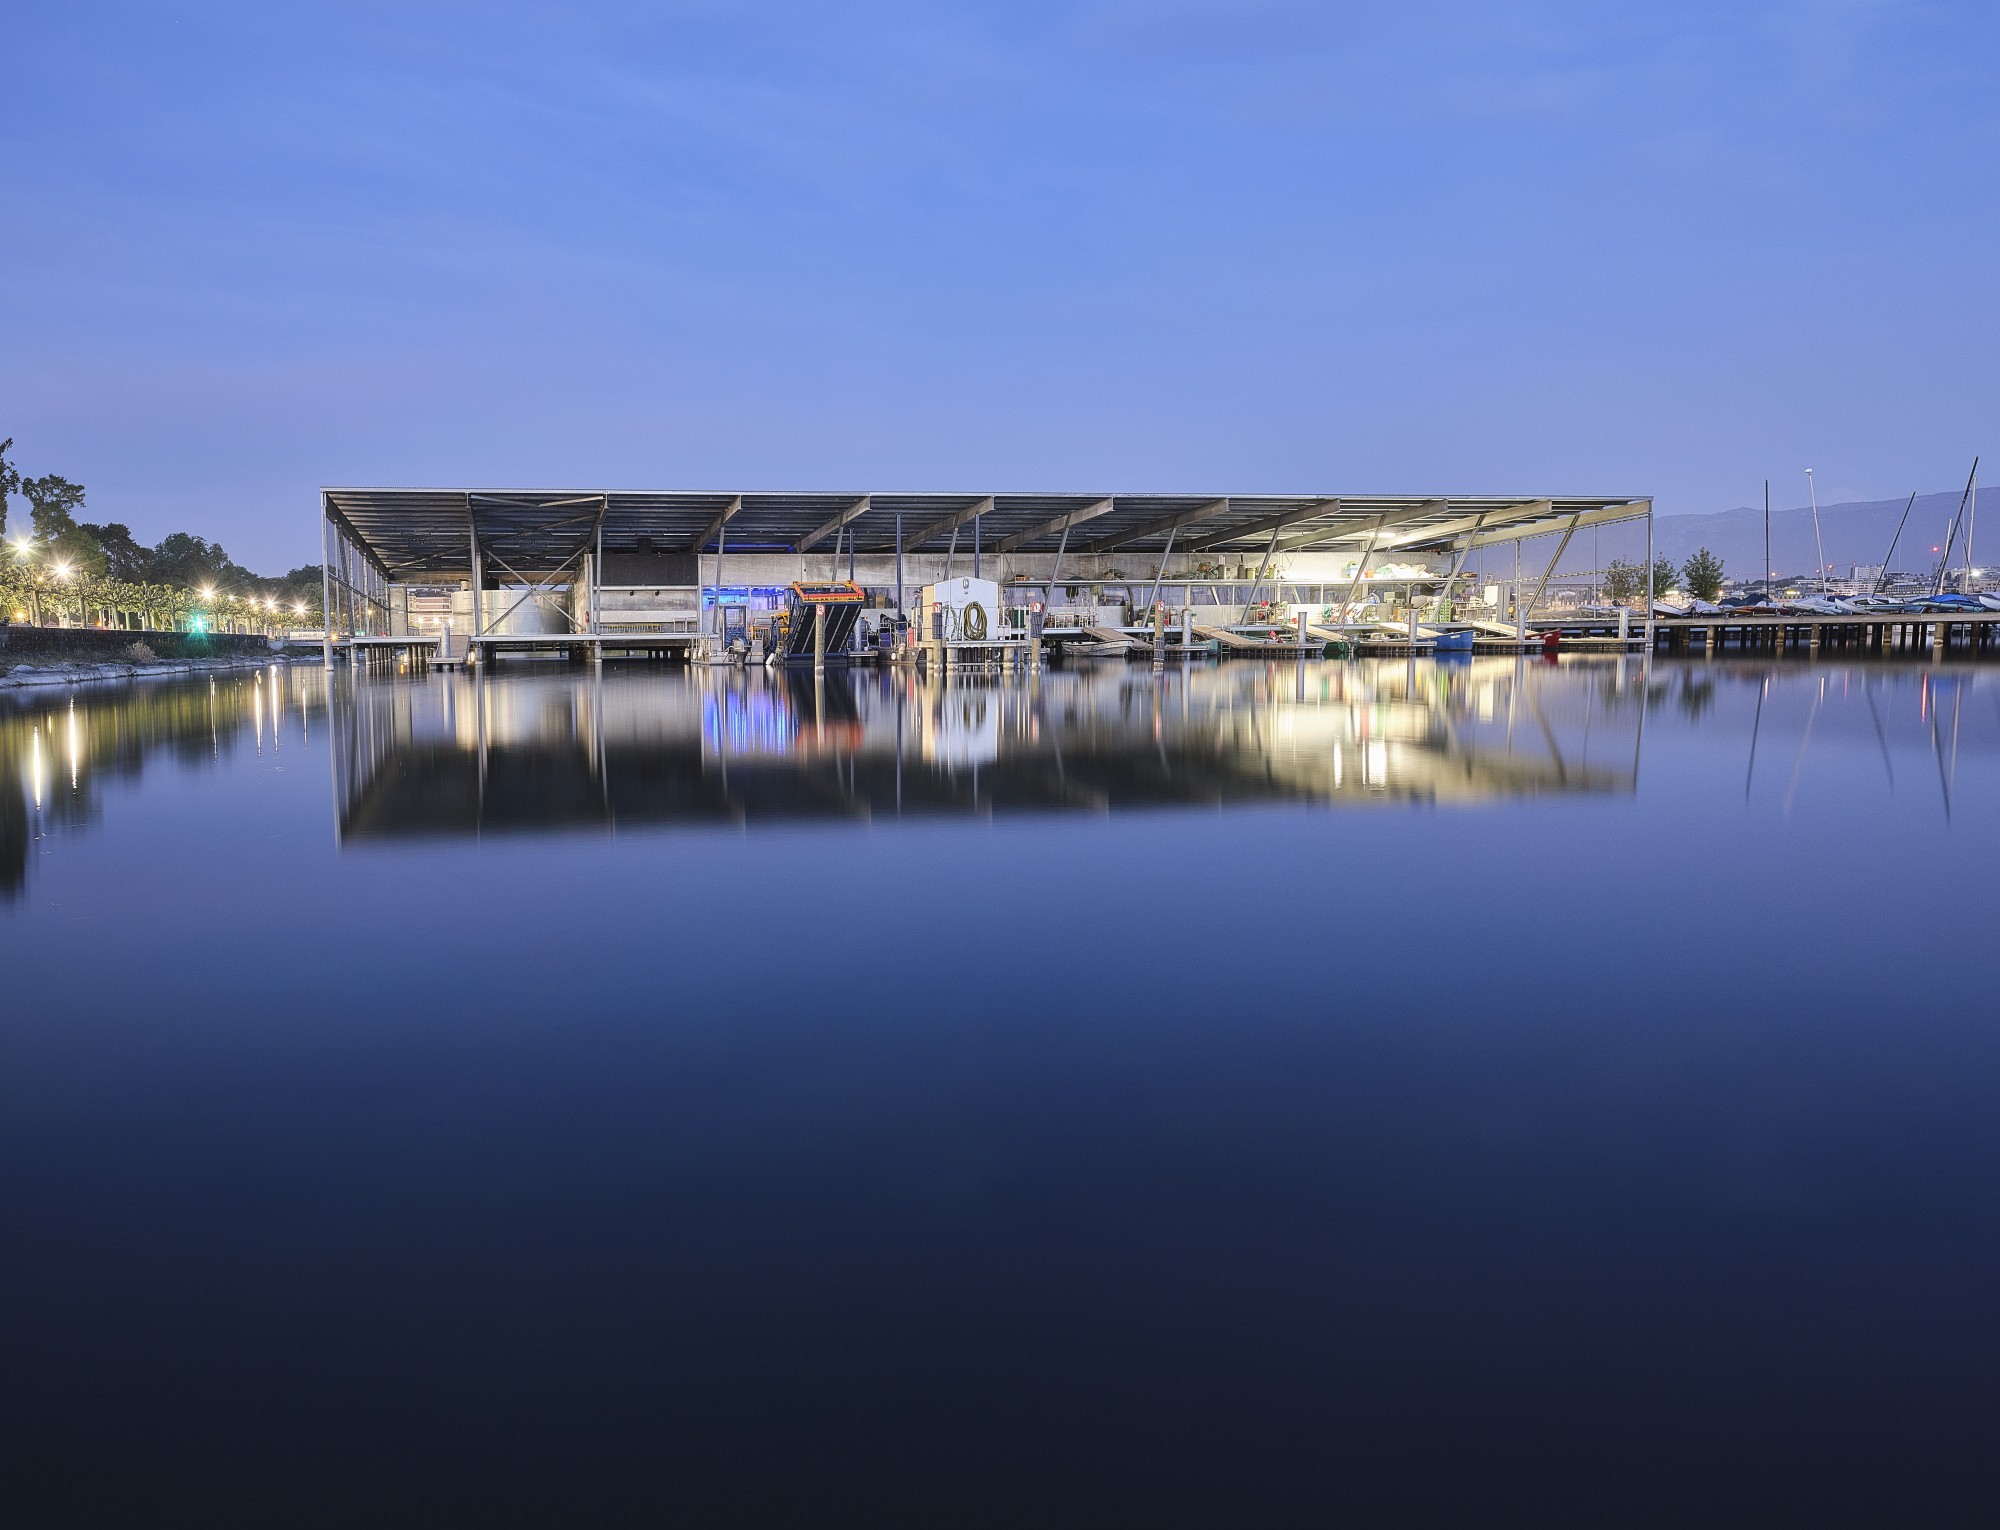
(1666, 249)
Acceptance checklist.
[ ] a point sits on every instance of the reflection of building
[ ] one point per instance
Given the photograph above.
(462, 754)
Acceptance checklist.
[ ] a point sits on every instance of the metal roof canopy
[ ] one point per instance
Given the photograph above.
(422, 535)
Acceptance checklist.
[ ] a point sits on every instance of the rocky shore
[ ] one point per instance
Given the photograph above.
(51, 673)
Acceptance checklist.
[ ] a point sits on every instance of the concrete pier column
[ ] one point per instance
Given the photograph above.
(819, 640)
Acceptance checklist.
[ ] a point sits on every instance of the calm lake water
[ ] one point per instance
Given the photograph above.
(1397, 1094)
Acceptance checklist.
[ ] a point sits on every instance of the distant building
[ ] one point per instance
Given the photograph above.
(1865, 573)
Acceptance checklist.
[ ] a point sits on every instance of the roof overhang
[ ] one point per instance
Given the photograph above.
(419, 535)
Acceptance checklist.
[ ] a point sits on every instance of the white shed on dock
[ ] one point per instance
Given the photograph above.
(960, 611)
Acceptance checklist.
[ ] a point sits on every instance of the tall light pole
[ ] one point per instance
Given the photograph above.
(1818, 546)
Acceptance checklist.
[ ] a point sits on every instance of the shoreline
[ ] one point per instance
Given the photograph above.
(28, 676)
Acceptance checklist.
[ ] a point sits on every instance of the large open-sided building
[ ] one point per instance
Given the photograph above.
(642, 568)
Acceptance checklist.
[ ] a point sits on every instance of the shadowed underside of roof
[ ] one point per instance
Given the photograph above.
(414, 535)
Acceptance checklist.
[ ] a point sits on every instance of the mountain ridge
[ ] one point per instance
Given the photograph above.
(1854, 531)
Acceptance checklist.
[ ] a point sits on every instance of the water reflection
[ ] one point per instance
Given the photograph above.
(61, 750)
(526, 750)
(1632, 1115)
(540, 748)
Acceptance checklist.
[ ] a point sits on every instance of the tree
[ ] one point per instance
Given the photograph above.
(1703, 575)
(190, 561)
(10, 481)
(1665, 576)
(52, 503)
(1626, 582)
(124, 558)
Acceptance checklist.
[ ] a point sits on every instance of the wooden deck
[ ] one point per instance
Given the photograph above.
(1911, 633)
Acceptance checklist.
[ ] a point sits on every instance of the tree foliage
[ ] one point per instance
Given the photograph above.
(1665, 576)
(10, 481)
(52, 502)
(88, 571)
(1702, 575)
(124, 558)
(1625, 583)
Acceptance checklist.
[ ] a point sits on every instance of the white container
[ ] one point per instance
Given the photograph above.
(960, 611)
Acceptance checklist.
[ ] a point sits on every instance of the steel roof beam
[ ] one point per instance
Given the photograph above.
(1168, 523)
(1324, 534)
(361, 544)
(1277, 522)
(938, 528)
(1506, 515)
(1062, 522)
(819, 533)
(1631, 511)
(714, 528)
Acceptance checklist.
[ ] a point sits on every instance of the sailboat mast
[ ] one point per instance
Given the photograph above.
(1971, 515)
(1951, 531)
(1765, 582)
(1890, 556)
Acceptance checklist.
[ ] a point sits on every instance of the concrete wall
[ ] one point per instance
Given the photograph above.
(878, 570)
(19, 644)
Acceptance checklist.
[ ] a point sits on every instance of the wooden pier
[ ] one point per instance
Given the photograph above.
(1888, 632)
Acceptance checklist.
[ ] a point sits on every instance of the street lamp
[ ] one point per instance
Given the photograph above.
(61, 572)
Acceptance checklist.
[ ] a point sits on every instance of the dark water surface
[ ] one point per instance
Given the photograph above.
(1385, 1094)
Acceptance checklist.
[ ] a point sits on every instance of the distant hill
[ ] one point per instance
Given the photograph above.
(1854, 533)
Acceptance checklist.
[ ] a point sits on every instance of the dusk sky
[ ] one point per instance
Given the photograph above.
(1533, 247)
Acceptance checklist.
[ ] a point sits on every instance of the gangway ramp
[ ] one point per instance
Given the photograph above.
(1113, 635)
(1227, 638)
